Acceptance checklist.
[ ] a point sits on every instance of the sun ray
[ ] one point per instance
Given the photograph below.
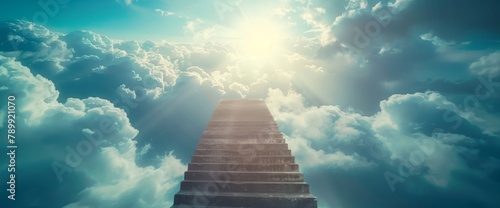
(259, 39)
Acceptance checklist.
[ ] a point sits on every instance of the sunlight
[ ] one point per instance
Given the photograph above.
(260, 39)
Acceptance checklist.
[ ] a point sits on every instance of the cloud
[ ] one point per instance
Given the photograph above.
(131, 185)
(282, 11)
(375, 49)
(34, 44)
(436, 142)
(487, 65)
(398, 5)
(192, 25)
(164, 12)
(241, 89)
(311, 17)
(309, 128)
(84, 56)
(82, 139)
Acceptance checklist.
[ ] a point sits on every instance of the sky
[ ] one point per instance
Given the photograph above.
(383, 103)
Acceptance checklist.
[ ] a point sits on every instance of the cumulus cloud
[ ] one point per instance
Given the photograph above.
(241, 89)
(310, 128)
(425, 133)
(487, 65)
(81, 139)
(398, 5)
(84, 56)
(34, 44)
(130, 186)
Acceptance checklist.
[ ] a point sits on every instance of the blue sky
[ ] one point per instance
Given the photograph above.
(384, 103)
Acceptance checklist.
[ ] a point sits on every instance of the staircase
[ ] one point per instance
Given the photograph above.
(243, 161)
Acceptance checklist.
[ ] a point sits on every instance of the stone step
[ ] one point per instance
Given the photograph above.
(243, 135)
(237, 109)
(238, 136)
(240, 106)
(249, 167)
(244, 147)
(244, 176)
(237, 126)
(243, 125)
(236, 152)
(255, 131)
(249, 131)
(255, 113)
(256, 122)
(255, 200)
(238, 121)
(194, 206)
(242, 141)
(242, 159)
(248, 187)
(242, 117)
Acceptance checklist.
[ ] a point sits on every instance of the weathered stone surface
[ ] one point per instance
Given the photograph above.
(243, 161)
(232, 152)
(250, 167)
(244, 176)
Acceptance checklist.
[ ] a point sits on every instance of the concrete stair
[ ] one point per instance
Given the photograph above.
(249, 167)
(242, 161)
(234, 152)
(255, 200)
(242, 147)
(245, 176)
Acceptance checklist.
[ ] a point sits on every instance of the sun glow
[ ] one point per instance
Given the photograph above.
(260, 39)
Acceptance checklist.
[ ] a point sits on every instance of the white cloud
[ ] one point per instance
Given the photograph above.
(487, 65)
(117, 180)
(310, 130)
(241, 89)
(398, 5)
(320, 10)
(357, 5)
(377, 7)
(314, 16)
(37, 44)
(125, 184)
(164, 12)
(322, 136)
(282, 11)
(440, 44)
(386, 49)
(42, 92)
(193, 25)
(308, 157)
